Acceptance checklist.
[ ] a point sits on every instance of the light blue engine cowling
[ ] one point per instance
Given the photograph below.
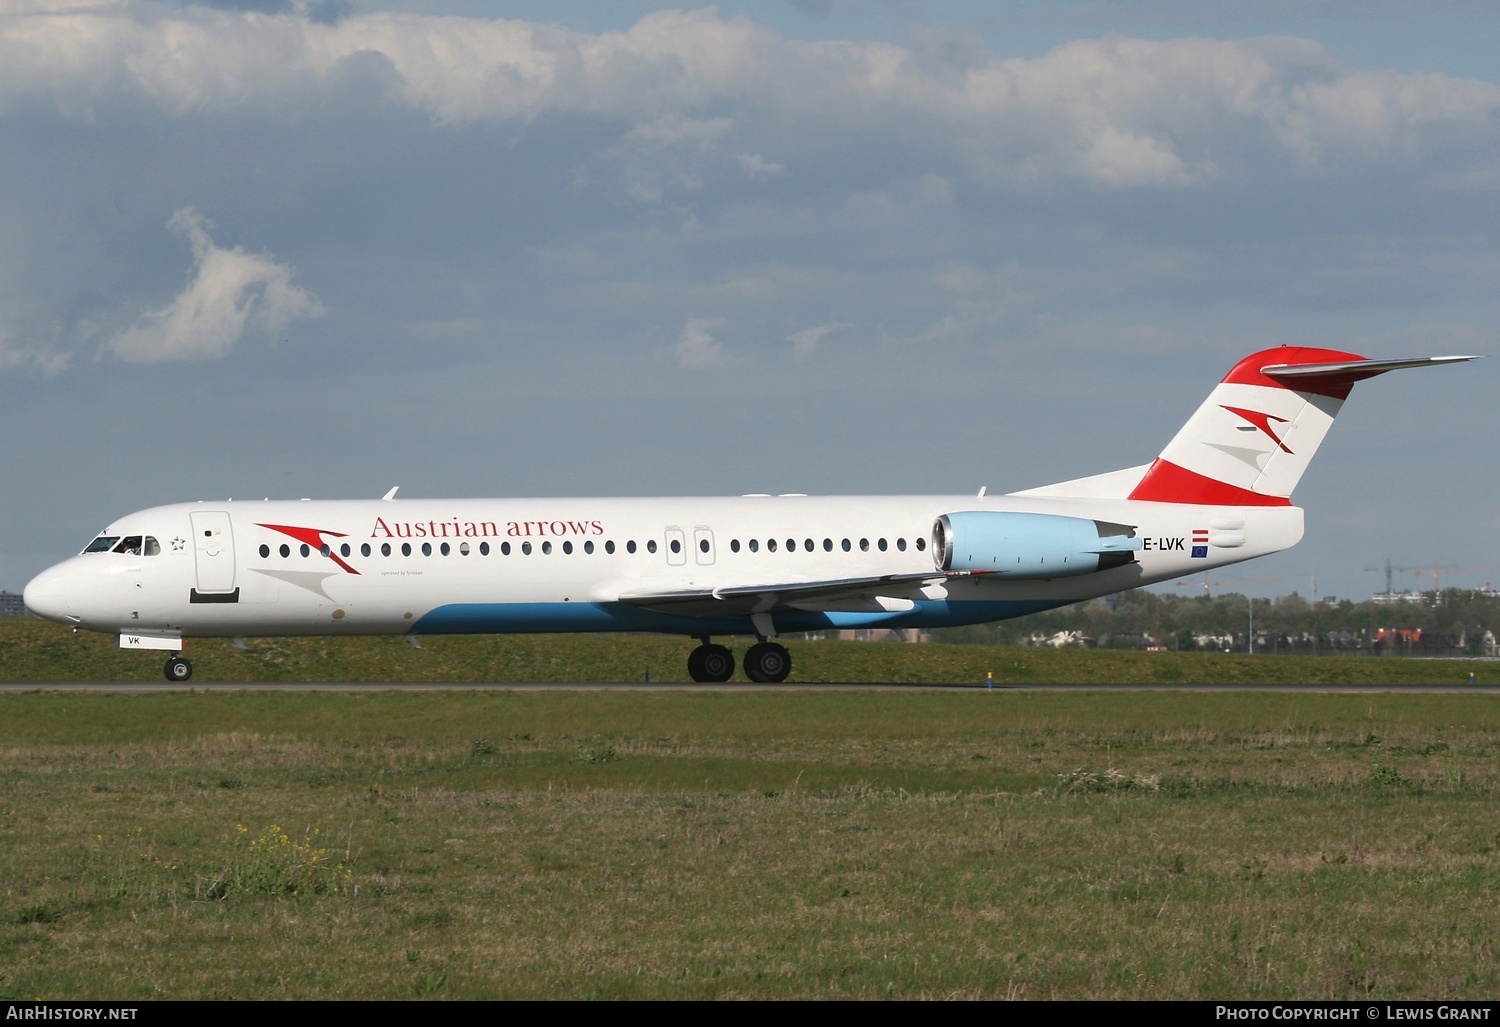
(1030, 545)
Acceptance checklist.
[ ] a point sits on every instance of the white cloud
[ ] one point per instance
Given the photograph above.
(44, 361)
(1116, 112)
(757, 166)
(231, 292)
(806, 342)
(676, 130)
(696, 346)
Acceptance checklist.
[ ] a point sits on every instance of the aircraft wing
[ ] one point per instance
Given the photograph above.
(752, 599)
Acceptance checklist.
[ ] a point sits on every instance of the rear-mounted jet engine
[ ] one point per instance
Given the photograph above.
(1030, 545)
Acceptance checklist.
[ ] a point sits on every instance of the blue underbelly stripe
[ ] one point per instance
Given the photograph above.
(513, 618)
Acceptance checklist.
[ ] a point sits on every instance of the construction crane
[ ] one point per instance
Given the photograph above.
(1206, 583)
(1435, 569)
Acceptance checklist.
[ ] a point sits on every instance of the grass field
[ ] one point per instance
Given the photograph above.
(693, 845)
(34, 650)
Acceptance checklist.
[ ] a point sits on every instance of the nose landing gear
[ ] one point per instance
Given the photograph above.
(178, 669)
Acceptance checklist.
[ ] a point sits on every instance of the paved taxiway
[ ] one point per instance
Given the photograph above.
(132, 687)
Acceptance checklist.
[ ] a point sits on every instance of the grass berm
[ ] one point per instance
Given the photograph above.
(690, 844)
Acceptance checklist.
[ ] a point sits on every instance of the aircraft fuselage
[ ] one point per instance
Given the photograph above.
(512, 565)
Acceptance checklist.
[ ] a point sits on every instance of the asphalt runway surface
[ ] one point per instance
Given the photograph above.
(143, 687)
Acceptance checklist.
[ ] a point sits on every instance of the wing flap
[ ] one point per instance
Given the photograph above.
(752, 599)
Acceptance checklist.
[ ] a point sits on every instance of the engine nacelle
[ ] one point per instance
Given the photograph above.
(1030, 545)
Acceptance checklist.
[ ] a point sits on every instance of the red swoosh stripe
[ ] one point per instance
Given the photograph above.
(313, 537)
(1261, 421)
(1166, 482)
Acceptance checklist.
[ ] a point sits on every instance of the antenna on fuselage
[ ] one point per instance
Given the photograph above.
(391, 495)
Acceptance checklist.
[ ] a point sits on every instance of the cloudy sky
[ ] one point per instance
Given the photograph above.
(322, 247)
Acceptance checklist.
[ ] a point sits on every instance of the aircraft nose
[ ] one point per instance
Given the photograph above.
(46, 596)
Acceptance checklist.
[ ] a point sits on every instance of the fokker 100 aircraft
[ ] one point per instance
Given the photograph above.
(1219, 493)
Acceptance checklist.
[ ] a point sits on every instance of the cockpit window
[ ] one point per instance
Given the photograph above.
(130, 545)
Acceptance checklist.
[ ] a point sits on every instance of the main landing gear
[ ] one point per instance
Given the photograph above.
(765, 662)
(711, 662)
(178, 669)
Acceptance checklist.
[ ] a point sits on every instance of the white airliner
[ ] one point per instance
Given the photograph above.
(763, 565)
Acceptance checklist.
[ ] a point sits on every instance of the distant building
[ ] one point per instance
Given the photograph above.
(12, 604)
(883, 635)
(1405, 596)
(1062, 640)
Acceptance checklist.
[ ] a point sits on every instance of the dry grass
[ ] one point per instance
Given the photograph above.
(844, 845)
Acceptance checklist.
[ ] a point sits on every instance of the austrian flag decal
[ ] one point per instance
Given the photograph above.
(1200, 544)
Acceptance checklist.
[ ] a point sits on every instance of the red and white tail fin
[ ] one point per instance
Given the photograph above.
(1250, 441)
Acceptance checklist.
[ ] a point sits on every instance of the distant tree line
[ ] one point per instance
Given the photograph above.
(1447, 623)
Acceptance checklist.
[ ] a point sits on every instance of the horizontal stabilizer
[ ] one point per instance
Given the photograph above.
(1341, 374)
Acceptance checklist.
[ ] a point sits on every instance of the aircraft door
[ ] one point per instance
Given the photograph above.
(703, 545)
(213, 550)
(676, 547)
